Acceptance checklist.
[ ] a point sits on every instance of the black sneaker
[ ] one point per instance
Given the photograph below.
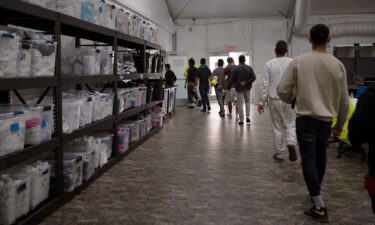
(199, 103)
(292, 153)
(209, 108)
(247, 120)
(203, 110)
(320, 215)
(240, 123)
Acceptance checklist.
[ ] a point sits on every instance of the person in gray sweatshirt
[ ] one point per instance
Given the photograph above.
(243, 78)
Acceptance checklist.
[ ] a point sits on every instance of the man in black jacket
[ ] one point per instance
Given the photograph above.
(170, 77)
(362, 130)
(204, 74)
(243, 78)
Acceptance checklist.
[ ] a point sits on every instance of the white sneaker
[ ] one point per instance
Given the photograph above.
(278, 157)
(229, 115)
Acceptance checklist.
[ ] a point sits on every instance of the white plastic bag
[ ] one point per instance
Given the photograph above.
(9, 50)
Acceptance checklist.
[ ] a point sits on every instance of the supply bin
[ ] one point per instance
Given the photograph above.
(123, 139)
(9, 50)
(73, 171)
(43, 57)
(12, 131)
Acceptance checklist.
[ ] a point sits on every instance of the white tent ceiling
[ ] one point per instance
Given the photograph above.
(188, 9)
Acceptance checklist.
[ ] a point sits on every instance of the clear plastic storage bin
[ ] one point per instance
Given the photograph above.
(85, 111)
(85, 145)
(68, 7)
(106, 62)
(73, 171)
(14, 197)
(43, 57)
(71, 114)
(9, 50)
(41, 3)
(105, 141)
(88, 10)
(24, 61)
(81, 62)
(12, 131)
(102, 106)
(143, 95)
(149, 123)
(134, 130)
(123, 139)
(34, 118)
(88, 163)
(121, 21)
(40, 174)
(142, 128)
(47, 123)
(157, 120)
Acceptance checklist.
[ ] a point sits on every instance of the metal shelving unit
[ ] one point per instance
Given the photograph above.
(19, 13)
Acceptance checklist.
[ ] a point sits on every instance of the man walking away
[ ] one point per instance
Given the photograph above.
(195, 89)
(361, 130)
(282, 116)
(218, 74)
(243, 78)
(204, 74)
(316, 83)
(192, 83)
(170, 77)
(230, 91)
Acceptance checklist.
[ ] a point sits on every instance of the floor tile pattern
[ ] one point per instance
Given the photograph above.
(201, 169)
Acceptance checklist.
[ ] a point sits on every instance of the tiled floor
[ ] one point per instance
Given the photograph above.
(201, 169)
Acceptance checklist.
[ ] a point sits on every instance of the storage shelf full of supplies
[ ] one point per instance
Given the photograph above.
(25, 15)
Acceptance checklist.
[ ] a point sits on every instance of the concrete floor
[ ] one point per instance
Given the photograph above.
(201, 169)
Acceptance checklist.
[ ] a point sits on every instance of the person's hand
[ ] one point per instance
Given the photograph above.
(243, 83)
(261, 109)
(337, 131)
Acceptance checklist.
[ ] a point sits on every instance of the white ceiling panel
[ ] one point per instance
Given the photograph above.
(227, 8)
(337, 7)
(188, 9)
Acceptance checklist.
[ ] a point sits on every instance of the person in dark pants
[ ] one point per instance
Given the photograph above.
(192, 83)
(218, 74)
(204, 74)
(361, 130)
(170, 77)
(243, 78)
(315, 83)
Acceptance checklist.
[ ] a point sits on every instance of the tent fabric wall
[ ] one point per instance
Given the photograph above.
(345, 30)
(256, 36)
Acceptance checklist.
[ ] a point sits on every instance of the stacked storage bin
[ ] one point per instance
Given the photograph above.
(123, 139)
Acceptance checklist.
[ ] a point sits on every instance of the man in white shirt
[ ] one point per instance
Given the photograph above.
(316, 84)
(282, 115)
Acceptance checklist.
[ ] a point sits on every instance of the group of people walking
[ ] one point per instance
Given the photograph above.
(232, 85)
(303, 95)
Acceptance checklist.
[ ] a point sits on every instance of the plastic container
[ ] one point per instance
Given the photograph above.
(105, 142)
(121, 20)
(73, 171)
(102, 106)
(106, 62)
(34, 118)
(71, 114)
(133, 96)
(123, 139)
(129, 16)
(123, 96)
(41, 3)
(12, 131)
(43, 57)
(88, 10)
(109, 15)
(143, 95)
(9, 50)
(134, 130)
(88, 163)
(149, 123)
(85, 145)
(47, 123)
(165, 101)
(68, 7)
(142, 128)
(40, 175)
(85, 111)
(14, 198)
(24, 61)
(81, 62)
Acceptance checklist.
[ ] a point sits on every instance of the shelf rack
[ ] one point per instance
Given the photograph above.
(19, 13)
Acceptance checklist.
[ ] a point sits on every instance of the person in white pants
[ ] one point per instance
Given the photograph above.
(282, 115)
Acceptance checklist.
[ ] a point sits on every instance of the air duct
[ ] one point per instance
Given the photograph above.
(302, 12)
(344, 29)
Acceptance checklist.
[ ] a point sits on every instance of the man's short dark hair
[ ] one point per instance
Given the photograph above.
(220, 62)
(281, 47)
(203, 61)
(191, 61)
(242, 59)
(168, 66)
(319, 34)
(230, 60)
